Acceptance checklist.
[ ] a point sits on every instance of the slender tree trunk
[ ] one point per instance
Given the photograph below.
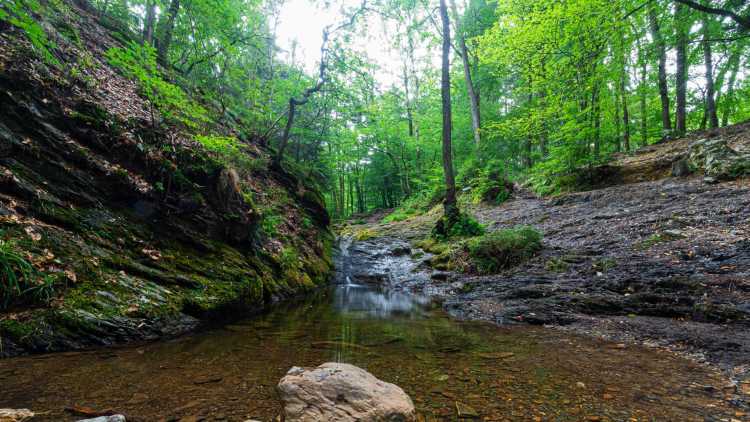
(642, 88)
(625, 114)
(624, 95)
(450, 207)
(728, 108)
(681, 40)
(713, 118)
(618, 122)
(597, 112)
(409, 115)
(473, 97)
(661, 51)
(165, 36)
(148, 24)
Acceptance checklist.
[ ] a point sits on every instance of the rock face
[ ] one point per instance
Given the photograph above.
(342, 392)
(717, 159)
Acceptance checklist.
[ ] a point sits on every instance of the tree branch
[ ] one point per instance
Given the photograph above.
(743, 22)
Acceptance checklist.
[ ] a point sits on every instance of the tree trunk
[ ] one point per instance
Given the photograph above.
(148, 24)
(713, 118)
(625, 114)
(409, 114)
(473, 98)
(597, 112)
(730, 91)
(618, 122)
(165, 37)
(666, 117)
(643, 87)
(681, 40)
(450, 207)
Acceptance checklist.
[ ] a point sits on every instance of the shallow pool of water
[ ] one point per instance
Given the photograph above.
(230, 373)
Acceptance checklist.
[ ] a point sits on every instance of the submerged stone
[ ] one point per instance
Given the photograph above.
(111, 418)
(342, 392)
(15, 415)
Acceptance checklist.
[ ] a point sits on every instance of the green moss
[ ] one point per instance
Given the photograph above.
(16, 330)
(502, 249)
(604, 264)
(557, 265)
(652, 240)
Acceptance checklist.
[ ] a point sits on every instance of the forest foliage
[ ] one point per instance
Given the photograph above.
(539, 88)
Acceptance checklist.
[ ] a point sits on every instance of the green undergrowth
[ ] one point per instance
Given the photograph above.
(138, 62)
(19, 14)
(485, 182)
(20, 281)
(486, 254)
(503, 249)
(414, 205)
(464, 226)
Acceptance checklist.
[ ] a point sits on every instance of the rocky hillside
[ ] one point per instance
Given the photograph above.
(116, 222)
(655, 248)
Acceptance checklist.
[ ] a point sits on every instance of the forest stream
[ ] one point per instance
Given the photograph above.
(447, 366)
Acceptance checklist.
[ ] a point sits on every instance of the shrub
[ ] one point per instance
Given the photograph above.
(464, 226)
(502, 249)
(487, 182)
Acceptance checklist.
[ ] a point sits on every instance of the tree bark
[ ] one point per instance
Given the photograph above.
(166, 30)
(713, 118)
(666, 117)
(642, 94)
(148, 24)
(449, 204)
(471, 92)
(681, 40)
(730, 91)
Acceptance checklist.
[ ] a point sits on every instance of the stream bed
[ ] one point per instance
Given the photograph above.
(370, 318)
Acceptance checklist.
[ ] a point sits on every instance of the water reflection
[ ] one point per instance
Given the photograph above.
(361, 299)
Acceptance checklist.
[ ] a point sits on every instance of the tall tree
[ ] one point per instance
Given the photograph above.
(166, 29)
(681, 72)
(463, 52)
(713, 117)
(661, 52)
(450, 206)
(148, 24)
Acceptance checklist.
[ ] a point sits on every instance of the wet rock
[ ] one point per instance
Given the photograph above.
(111, 418)
(439, 276)
(15, 415)
(681, 168)
(342, 392)
(401, 251)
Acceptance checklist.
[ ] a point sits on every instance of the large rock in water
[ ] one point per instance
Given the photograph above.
(342, 392)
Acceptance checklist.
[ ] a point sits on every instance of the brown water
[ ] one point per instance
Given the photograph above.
(229, 373)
